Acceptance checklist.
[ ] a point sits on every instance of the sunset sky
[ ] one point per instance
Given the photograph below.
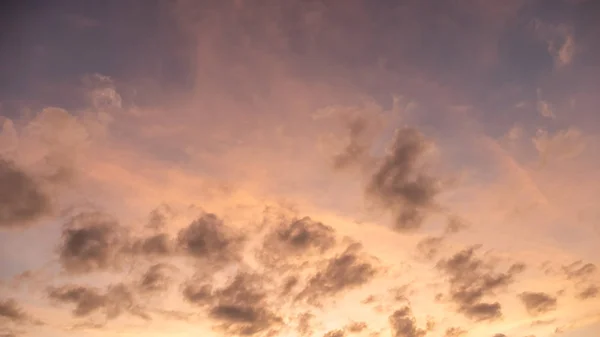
(300, 168)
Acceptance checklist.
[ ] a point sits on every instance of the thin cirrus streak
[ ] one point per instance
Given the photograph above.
(300, 168)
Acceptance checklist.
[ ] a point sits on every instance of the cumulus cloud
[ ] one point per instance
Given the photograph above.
(295, 240)
(10, 311)
(91, 241)
(22, 199)
(429, 247)
(210, 240)
(88, 300)
(403, 324)
(538, 303)
(399, 184)
(343, 272)
(239, 308)
(335, 333)
(591, 291)
(471, 280)
(455, 332)
(156, 278)
(356, 150)
(356, 327)
(579, 271)
(154, 245)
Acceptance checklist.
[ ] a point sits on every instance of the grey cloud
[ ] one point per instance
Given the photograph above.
(156, 278)
(346, 271)
(356, 149)
(240, 308)
(400, 186)
(471, 280)
(159, 216)
(86, 300)
(579, 271)
(335, 333)
(589, 292)
(155, 245)
(538, 303)
(113, 302)
(295, 239)
(455, 225)
(403, 324)
(455, 332)
(91, 241)
(356, 327)
(207, 238)
(10, 310)
(429, 247)
(22, 200)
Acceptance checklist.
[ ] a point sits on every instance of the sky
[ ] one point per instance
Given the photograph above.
(410, 168)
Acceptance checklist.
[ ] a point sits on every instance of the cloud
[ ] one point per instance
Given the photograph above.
(155, 245)
(304, 326)
(356, 151)
(471, 280)
(455, 332)
(10, 311)
(429, 247)
(91, 241)
(210, 240)
(356, 327)
(403, 324)
(295, 239)
(335, 333)
(345, 271)
(399, 185)
(538, 303)
(87, 300)
(22, 199)
(563, 145)
(156, 278)
(589, 292)
(159, 216)
(242, 307)
(578, 271)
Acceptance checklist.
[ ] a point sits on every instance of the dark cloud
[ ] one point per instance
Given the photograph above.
(10, 310)
(22, 200)
(240, 308)
(113, 302)
(399, 185)
(429, 247)
(91, 241)
(86, 300)
(579, 271)
(499, 335)
(156, 278)
(293, 240)
(471, 280)
(357, 149)
(538, 303)
(455, 225)
(589, 292)
(455, 332)
(155, 245)
(356, 327)
(209, 239)
(346, 271)
(403, 324)
(159, 216)
(335, 333)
